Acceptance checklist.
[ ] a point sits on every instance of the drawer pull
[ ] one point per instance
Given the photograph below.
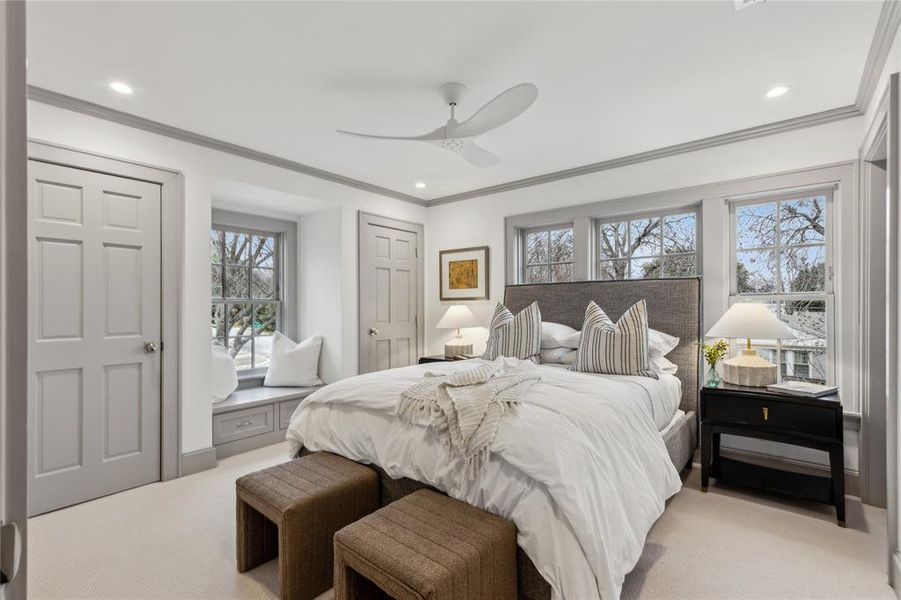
(249, 423)
(766, 413)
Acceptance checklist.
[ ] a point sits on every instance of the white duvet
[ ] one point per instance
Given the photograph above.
(580, 468)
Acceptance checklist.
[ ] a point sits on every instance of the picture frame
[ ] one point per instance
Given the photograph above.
(463, 274)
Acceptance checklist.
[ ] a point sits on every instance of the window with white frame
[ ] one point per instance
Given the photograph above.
(649, 246)
(781, 255)
(548, 254)
(246, 301)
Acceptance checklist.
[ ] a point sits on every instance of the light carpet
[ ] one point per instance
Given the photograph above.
(176, 540)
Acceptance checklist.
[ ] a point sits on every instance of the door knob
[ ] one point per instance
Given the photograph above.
(373, 331)
(151, 347)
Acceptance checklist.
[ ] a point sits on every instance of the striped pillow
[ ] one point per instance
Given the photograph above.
(519, 336)
(615, 349)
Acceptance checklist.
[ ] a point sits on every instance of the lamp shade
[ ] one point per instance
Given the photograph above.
(750, 320)
(458, 316)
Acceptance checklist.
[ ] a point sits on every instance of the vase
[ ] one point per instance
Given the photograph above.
(713, 377)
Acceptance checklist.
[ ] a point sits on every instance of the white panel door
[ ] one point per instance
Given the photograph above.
(94, 291)
(389, 290)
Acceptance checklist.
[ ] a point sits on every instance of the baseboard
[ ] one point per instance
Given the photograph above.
(852, 478)
(197, 461)
(894, 574)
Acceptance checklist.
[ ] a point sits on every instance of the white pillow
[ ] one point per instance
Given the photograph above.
(661, 365)
(572, 340)
(292, 364)
(661, 343)
(552, 333)
(554, 355)
(225, 374)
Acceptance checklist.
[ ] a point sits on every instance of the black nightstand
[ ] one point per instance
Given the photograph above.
(439, 358)
(757, 413)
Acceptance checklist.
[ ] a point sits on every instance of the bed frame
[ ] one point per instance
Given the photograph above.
(674, 307)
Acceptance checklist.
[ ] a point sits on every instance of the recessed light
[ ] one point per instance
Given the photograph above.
(779, 90)
(420, 185)
(121, 87)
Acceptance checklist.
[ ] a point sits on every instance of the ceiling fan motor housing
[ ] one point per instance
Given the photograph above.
(452, 92)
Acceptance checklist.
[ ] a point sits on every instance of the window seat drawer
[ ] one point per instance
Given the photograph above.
(239, 424)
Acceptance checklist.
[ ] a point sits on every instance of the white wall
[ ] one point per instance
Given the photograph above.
(321, 285)
(203, 171)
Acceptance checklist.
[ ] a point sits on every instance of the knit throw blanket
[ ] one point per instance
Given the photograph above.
(465, 408)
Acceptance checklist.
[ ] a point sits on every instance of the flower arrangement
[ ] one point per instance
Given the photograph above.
(714, 352)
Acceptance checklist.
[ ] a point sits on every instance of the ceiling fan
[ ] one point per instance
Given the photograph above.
(458, 137)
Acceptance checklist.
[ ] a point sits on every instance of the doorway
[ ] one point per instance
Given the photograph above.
(104, 260)
(391, 293)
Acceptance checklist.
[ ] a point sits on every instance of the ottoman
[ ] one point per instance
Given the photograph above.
(293, 510)
(426, 545)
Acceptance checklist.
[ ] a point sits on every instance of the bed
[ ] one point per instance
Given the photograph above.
(580, 469)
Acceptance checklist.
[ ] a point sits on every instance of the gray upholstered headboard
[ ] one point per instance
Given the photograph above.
(674, 307)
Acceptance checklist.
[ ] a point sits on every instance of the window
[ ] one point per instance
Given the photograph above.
(246, 300)
(780, 256)
(548, 254)
(648, 247)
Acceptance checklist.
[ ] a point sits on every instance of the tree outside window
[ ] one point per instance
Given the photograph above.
(648, 247)
(780, 257)
(245, 292)
(548, 255)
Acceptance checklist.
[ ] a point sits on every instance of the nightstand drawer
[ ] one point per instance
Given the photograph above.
(776, 413)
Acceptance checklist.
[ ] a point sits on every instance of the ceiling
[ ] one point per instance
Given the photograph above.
(614, 78)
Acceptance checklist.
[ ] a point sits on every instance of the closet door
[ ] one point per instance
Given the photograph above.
(94, 330)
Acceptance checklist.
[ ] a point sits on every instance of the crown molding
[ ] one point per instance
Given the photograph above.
(811, 120)
(886, 28)
(99, 111)
(884, 36)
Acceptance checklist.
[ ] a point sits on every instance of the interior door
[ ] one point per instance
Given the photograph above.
(389, 293)
(94, 328)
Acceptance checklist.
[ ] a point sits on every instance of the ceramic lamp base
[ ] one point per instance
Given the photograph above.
(750, 369)
(456, 347)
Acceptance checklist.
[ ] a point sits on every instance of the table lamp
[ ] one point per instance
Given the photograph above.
(747, 320)
(457, 317)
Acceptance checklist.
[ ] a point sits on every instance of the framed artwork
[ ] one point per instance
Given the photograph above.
(464, 273)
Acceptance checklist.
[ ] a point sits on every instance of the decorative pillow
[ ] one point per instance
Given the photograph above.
(552, 334)
(518, 337)
(224, 375)
(615, 349)
(292, 364)
(660, 343)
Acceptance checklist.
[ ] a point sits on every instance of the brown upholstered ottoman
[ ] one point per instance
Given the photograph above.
(293, 510)
(426, 545)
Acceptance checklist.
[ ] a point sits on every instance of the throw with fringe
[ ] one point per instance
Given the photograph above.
(465, 408)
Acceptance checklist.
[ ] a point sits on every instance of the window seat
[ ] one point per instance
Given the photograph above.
(254, 417)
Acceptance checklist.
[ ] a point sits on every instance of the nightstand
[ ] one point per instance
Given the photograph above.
(438, 358)
(797, 420)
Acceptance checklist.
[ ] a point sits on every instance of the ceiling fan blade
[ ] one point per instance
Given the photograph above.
(505, 107)
(470, 152)
(436, 134)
